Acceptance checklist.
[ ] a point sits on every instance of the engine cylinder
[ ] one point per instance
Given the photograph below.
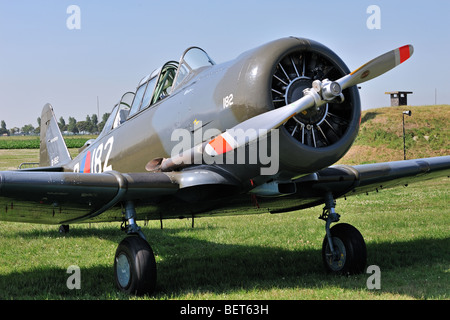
(317, 137)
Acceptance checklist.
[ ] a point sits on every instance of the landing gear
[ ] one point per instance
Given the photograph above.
(349, 255)
(135, 266)
(343, 248)
(64, 228)
(134, 261)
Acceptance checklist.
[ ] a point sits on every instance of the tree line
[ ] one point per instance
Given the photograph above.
(89, 126)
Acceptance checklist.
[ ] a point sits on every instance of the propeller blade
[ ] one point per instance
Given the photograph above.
(377, 66)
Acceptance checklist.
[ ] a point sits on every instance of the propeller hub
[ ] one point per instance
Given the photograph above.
(295, 91)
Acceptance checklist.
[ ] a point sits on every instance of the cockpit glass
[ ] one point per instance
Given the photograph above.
(108, 125)
(137, 99)
(121, 115)
(192, 59)
(161, 82)
(148, 93)
(196, 58)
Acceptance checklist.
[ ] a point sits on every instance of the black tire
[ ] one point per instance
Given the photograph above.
(64, 228)
(349, 242)
(135, 266)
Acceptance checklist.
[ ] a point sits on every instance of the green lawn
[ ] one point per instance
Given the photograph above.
(246, 257)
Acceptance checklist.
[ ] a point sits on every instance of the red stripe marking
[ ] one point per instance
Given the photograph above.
(220, 145)
(87, 164)
(404, 53)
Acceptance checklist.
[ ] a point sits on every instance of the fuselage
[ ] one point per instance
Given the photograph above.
(214, 98)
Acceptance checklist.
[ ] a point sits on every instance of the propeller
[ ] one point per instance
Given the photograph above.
(377, 66)
(255, 128)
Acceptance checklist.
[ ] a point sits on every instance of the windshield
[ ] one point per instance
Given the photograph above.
(119, 113)
(192, 59)
(108, 125)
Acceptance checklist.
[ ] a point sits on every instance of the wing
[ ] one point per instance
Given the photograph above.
(66, 197)
(61, 197)
(343, 180)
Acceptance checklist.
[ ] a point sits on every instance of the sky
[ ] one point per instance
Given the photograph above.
(50, 53)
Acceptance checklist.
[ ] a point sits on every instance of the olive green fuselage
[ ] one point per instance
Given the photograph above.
(217, 98)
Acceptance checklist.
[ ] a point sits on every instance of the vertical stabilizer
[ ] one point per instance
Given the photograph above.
(53, 148)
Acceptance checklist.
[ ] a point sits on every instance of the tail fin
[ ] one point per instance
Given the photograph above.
(53, 148)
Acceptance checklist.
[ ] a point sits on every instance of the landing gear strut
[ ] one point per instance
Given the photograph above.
(343, 248)
(134, 262)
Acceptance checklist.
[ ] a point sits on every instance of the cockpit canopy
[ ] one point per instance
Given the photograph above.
(157, 86)
(192, 59)
(161, 82)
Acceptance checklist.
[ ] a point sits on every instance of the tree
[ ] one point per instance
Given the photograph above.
(94, 121)
(62, 124)
(38, 129)
(88, 126)
(83, 126)
(27, 129)
(72, 126)
(3, 129)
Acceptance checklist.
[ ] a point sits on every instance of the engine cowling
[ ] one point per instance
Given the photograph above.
(266, 78)
(317, 137)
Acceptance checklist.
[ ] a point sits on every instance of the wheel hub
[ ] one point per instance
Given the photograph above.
(123, 270)
(336, 261)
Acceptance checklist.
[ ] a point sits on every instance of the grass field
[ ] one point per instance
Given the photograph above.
(246, 257)
(381, 134)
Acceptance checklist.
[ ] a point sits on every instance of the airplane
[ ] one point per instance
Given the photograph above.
(258, 134)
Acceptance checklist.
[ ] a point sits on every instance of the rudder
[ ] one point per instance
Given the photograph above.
(53, 150)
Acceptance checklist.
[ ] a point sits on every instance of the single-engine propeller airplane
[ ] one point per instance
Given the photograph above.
(256, 134)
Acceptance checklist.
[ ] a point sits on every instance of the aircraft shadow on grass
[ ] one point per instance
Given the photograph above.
(202, 266)
(369, 116)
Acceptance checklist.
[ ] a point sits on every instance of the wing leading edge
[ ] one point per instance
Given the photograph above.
(348, 180)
